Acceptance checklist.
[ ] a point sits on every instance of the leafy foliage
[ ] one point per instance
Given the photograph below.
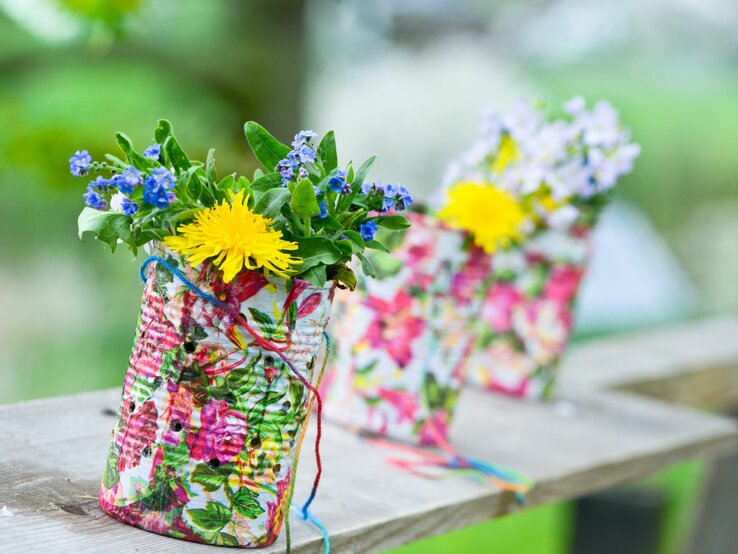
(331, 213)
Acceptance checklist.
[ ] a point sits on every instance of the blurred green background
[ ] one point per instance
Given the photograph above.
(401, 78)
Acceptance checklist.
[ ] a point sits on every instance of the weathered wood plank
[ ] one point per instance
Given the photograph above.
(691, 364)
(52, 453)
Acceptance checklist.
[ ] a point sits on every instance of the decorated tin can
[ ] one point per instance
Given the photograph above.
(212, 417)
(400, 339)
(527, 313)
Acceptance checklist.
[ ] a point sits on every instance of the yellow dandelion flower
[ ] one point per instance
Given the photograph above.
(492, 217)
(234, 238)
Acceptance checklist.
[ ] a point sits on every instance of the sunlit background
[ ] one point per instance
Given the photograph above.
(404, 79)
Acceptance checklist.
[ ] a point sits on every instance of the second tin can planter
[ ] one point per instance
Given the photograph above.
(401, 339)
(527, 313)
(211, 419)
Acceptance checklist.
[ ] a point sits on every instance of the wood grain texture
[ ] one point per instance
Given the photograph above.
(691, 364)
(52, 453)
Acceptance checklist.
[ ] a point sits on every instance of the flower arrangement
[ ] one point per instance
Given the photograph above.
(527, 174)
(543, 185)
(225, 365)
(304, 217)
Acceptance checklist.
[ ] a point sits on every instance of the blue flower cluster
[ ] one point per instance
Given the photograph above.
(152, 152)
(302, 153)
(93, 199)
(395, 197)
(157, 186)
(368, 230)
(79, 164)
(338, 183)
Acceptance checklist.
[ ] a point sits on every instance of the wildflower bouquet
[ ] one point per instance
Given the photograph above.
(529, 192)
(305, 217)
(224, 368)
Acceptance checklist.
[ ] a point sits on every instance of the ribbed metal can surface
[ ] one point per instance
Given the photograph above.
(211, 419)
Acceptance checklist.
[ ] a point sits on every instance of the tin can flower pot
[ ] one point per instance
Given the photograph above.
(211, 418)
(527, 313)
(401, 341)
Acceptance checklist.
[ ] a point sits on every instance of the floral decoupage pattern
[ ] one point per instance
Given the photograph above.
(527, 313)
(560, 173)
(210, 423)
(400, 343)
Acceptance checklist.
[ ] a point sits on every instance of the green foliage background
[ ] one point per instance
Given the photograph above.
(210, 66)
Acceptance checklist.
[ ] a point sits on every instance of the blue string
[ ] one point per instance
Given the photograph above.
(182, 278)
(319, 525)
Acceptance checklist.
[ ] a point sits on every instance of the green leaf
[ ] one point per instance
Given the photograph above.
(210, 166)
(213, 518)
(303, 201)
(377, 245)
(245, 503)
(224, 539)
(266, 182)
(162, 131)
(393, 222)
(296, 225)
(366, 265)
(315, 275)
(270, 203)
(110, 473)
(176, 155)
(211, 478)
(107, 226)
(315, 251)
(267, 149)
(327, 152)
(264, 321)
(362, 172)
(134, 158)
(356, 238)
(344, 276)
(242, 379)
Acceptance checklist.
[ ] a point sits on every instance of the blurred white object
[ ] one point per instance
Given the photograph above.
(633, 279)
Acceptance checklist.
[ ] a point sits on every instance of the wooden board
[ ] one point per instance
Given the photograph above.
(691, 364)
(52, 453)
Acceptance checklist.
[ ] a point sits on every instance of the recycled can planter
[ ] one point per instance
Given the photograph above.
(401, 343)
(211, 418)
(527, 313)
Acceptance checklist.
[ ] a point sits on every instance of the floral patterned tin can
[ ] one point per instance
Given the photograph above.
(400, 339)
(527, 313)
(210, 421)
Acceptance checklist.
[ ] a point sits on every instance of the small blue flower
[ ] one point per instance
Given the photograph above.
(163, 177)
(368, 229)
(396, 197)
(323, 210)
(372, 188)
(403, 199)
(387, 204)
(302, 173)
(158, 197)
(101, 183)
(127, 179)
(129, 207)
(93, 199)
(303, 137)
(152, 152)
(157, 188)
(337, 183)
(79, 164)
